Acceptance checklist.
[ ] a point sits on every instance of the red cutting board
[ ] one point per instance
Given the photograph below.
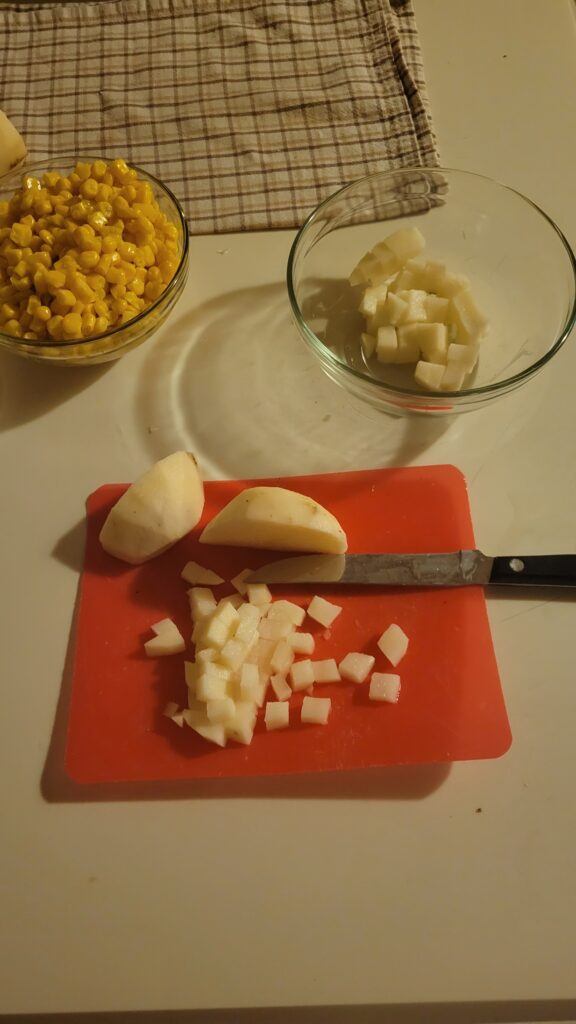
(451, 705)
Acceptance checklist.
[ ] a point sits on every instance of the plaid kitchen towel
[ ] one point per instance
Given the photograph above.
(252, 111)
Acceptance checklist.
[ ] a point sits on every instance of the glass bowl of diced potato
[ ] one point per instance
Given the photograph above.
(431, 291)
(93, 256)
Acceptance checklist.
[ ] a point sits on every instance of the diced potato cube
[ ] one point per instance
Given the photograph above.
(323, 611)
(387, 263)
(236, 600)
(282, 658)
(437, 309)
(202, 603)
(215, 634)
(394, 309)
(393, 643)
(191, 672)
(406, 243)
(261, 653)
(241, 727)
(384, 686)
(369, 270)
(301, 643)
(368, 342)
(277, 715)
(356, 667)
(210, 688)
(403, 281)
(301, 675)
(326, 671)
(471, 324)
(386, 345)
(205, 655)
(453, 378)
(431, 339)
(316, 710)
(168, 640)
(220, 626)
(463, 356)
(408, 348)
(214, 732)
(198, 574)
(287, 610)
(275, 629)
(253, 684)
(281, 688)
(259, 594)
(429, 375)
(246, 633)
(233, 654)
(415, 311)
(178, 719)
(433, 274)
(450, 284)
(163, 626)
(238, 581)
(372, 298)
(220, 710)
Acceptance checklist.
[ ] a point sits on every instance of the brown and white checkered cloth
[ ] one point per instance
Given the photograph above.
(252, 111)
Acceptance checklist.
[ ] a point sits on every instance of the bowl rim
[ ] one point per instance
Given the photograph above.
(26, 343)
(324, 353)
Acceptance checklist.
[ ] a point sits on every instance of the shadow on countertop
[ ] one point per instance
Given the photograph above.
(488, 1012)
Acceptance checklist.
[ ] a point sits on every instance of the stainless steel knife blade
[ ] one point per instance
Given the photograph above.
(450, 569)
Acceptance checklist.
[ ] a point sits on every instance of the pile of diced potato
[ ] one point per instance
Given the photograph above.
(418, 313)
(246, 644)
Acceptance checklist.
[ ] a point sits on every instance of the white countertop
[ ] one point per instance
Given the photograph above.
(383, 888)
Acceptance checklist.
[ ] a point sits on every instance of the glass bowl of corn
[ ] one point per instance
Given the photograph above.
(93, 256)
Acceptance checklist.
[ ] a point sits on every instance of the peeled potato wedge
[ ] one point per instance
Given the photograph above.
(12, 147)
(276, 518)
(157, 510)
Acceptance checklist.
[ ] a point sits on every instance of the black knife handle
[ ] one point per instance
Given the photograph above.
(534, 570)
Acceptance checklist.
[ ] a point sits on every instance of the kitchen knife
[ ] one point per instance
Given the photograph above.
(451, 569)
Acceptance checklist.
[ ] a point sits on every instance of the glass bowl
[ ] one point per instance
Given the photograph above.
(521, 268)
(116, 342)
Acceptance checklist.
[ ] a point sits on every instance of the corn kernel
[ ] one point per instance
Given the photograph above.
(108, 179)
(12, 327)
(55, 327)
(153, 290)
(8, 312)
(119, 169)
(21, 234)
(43, 313)
(80, 211)
(118, 290)
(116, 276)
(72, 325)
(33, 304)
(97, 283)
(121, 207)
(97, 220)
(51, 180)
(88, 322)
(82, 290)
(101, 325)
(98, 169)
(137, 286)
(100, 308)
(30, 335)
(89, 188)
(88, 259)
(42, 206)
(66, 298)
(110, 243)
(22, 284)
(20, 269)
(54, 279)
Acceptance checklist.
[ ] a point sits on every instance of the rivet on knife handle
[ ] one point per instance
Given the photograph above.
(534, 570)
